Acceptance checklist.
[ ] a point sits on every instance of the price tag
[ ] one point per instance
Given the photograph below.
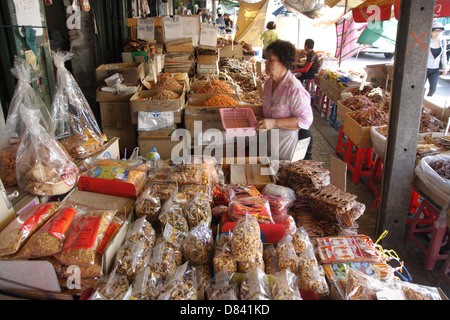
(208, 35)
(146, 29)
(172, 28)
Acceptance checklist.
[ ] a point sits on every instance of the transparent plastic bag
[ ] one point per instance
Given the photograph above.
(360, 286)
(132, 258)
(43, 166)
(146, 285)
(111, 287)
(141, 229)
(222, 287)
(258, 262)
(285, 286)
(259, 208)
(286, 256)
(74, 122)
(25, 97)
(198, 247)
(163, 260)
(255, 286)
(197, 211)
(182, 285)
(246, 239)
(223, 259)
(277, 190)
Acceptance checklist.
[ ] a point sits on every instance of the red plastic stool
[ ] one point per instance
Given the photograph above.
(342, 142)
(374, 184)
(310, 86)
(362, 158)
(438, 233)
(443, 275)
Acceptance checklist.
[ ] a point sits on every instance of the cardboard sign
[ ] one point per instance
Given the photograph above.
(172, 28)
(146, 29)
(208, 35)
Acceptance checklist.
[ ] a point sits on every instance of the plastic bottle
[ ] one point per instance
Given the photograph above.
(153, 157)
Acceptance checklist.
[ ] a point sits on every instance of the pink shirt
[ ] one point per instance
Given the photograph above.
(290, 99)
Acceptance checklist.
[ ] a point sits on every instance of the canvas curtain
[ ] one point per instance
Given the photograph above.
(251, 22)
(347, 39)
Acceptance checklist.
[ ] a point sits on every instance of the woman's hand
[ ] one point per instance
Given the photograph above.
(267, 124)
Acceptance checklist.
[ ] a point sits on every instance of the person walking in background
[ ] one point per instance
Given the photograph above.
(437, 57)
(269, 36)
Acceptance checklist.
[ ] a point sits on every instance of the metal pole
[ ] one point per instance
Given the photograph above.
(412, 46)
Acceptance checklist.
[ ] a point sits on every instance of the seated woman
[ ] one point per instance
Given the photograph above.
(286, 103)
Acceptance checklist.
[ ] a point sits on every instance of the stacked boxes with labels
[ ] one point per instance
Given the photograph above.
(156, 119)
(207, 61)
(179, 56)
(114, 106)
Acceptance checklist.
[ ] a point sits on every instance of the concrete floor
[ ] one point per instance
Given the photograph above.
(325, 139)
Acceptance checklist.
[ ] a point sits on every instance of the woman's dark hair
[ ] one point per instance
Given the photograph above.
(285, 52)
(271, 25)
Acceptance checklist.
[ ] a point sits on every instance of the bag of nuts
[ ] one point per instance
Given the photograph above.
(223, 259)
(285, 286)
(182, 285)
(255, 286)
(286, 256)
(246, 239)
(198, 248)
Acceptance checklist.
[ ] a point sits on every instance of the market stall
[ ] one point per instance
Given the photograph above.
(127, 227)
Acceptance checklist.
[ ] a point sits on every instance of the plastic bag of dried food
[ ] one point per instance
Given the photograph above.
(148, 206)
(306, 258)
(246, 239)
(25, 97)
(163, 260)
(235, 192)
(286, 256)
(198, 247)
(413, 291)
(285, 286)
(43, 166)
(18, 231)
(48, 240)
(203, 278)
(301, 240)
(141, 229)
(360, 286)
(287, 221)
(182, 285)
(177, 251)
(163, 190)
(312, 279)
(223, 260)
(256, 207)
(258, 262)
(255, 286)
(222, 287)
(276, 190)
(270, 259)
(198, 210)
(74, 122)
(132, 257)
(85, 236)
(111, 287)
(146, 285)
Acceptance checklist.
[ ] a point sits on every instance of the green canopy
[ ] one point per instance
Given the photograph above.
(380, 34)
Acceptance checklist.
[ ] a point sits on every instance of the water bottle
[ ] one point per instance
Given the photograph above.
(153, 157)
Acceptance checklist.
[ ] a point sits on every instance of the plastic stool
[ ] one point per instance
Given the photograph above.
(375, 177)
(443, 275)
(374, 184)
(431, 252)
(310, 86)
(363, 160)
(342, 142)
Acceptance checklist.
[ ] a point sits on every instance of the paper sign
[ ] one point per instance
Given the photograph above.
(146, 29)
(338, 173)
(190, 28)
(390, 295)
(300, 150)
(172, 28)
(208, 35)
(28, 12)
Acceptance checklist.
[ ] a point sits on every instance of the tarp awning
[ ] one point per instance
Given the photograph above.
(251, 21)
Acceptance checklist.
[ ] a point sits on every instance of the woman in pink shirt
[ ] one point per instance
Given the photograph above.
(286, 104)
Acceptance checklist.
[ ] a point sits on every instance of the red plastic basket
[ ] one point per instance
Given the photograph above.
(238, 122)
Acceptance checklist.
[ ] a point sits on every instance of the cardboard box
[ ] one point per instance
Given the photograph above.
(377, 75)
(207, 59)
(207, 69)
(178, 62)
(127, 138)
(115, 115)
(140, 102)
(199, 99)
(180, 45)
(7, 212)
(156, 133)
(358, 134)
(341, 111)
(250, 174)
(163, 144)
(330, 89)
(104, 96)
(231, 51)
(131, 72)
